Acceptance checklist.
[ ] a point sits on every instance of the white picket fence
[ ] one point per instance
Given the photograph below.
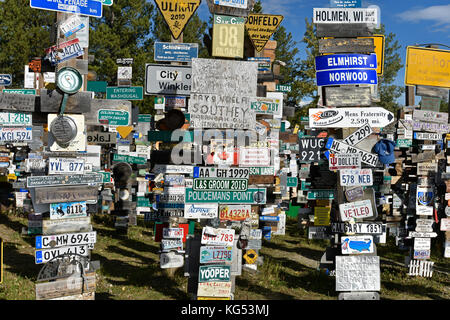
(421, 268)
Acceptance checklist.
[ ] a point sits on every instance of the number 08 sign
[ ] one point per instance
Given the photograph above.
(228, 36)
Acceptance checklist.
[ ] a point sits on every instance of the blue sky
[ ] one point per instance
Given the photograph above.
(412, 21)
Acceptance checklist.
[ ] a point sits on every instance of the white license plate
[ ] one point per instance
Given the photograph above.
(356, 177)
(68, 239)
(65, 165)
(15, 119)
(224, 237)
(15, 134)
(358, 136)
(173, 233)
(43, 256)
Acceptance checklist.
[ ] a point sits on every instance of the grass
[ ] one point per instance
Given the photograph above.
(130, 268)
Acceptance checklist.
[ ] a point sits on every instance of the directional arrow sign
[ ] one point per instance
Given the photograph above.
(376, 117)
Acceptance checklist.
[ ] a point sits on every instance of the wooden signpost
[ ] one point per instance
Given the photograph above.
(345, 45)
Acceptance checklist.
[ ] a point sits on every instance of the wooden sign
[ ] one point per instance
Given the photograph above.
(426, 67)
(426, 91)
(260, 28)
(261, 179)
(424, 168)
(346, 45)
(347, 96)
(53, 180)
(427, 126)
(73, 225)
(177, 13)
(228, 37)
(79, 102)
(430, 103)
(423, 157)
(430, 116)
(66, 193)
(65, 287)
(346, 30)
(17, 102)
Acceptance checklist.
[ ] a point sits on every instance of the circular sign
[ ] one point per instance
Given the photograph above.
(447, 211)
(69, 80)
(258, 196)
(64, 129)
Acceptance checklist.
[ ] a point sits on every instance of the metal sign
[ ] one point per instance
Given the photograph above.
(15, 119)
(177, 233)
(269, 106)
(71, 25)
(358, 273)
(375, 117)
(88, 7)
(426, 66)
(357, 228)
(345, 3)
(341, 161)
(64, 180)
(16, 134)
(250, 256)
(356, 210)
(357, 244)
(175, 52)
(171, 260)
(346, 61)
(43, 256)
(235, 212)
(125, 93)
(378, 41)
(68, 239)
(212, 172)
(356, 177)
(211, 254)
(177, 13)
(424, 201)
(167, 80)
(260, 28)
(65, 166)
(65, 193)
(345, 15)
(67, 210)
(347, 96)
(169, 244)
(201, 211)
(220, 184)
(322, 216)
(310, 149)
(222, 237)
(427, 136)
(430, 116)
(251, 196)
(358, 136)
(320, 194)
(220, 111)
(5, 80)
(339, 147)
(212, 273)
(228, 37)
(114, 117)
(129, 159)
(64, 51)
(346, 76)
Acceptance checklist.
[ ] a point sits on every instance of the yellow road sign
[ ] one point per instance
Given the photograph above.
(260, 28)
(378, 41)
(427, 67)
(177, 13)
(250, 256)
(322, 216)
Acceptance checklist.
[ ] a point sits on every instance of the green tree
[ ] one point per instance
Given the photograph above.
(24, 34)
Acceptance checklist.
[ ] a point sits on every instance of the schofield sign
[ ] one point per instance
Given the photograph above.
(167, 80)
(356, 177)
(175, 52)
(349, 117)
(260, 28)
(345, 15)
(356, 210)
(91, 8)
(310, 149)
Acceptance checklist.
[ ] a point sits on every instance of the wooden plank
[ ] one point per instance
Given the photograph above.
(347, 96)
(288, 137)
(51, 100)
(430, 116)
(83, 296)
(65, 194)
(350, 30)
(432, 92)
(263, 179)
(423, 157)
(17, 102)
(344, 45)
(71, 225)
(65, 287)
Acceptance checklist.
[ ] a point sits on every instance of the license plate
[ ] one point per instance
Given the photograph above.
(43, 256)
(173, 233)
(356, 177)
(235, 212)
(68, 210)
(71, 25)
(207, 172)
(344, 161)
(15, 119)
(168, 244)
(224, 237)
(340, 147)
(68, 239)
(210, 254)
(358, 136)
(65, 165)
(16, 134)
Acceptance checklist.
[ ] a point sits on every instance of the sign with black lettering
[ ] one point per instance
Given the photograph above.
(345, 15)
(97, 137)
(167, 80)
(17, 102)
(260, 28)
(310, 149)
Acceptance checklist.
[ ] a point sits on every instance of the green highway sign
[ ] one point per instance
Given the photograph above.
(220, 184)
(97, 86)
(129, 159)
(251, 196)
(320, 194)
(143, 202)
(114, 117)
(125, 93)
(20, 91)
(145, 118)
(404, 143)
(283, 88)
(292, 181)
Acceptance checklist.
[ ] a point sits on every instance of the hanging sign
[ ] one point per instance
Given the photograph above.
(228, 37)
(357, 244)
(177, 13)
(356, 210)
(91, 8)
(356, 177)
(260, 28)
(375, 117)
(345, 15)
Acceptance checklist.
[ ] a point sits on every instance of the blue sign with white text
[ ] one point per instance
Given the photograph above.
(90, 8)
(175, 52)
(343, 76)
(346, 61)
(345, 3)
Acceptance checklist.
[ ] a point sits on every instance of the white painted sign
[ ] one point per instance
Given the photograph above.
(422, 243)
(201, 211)
(356, 210)
(345, 15)
(223, 237)
(376, 117)
(214, 289)
(65, 165)
(358, 273)
(357, 244)
(251, 157)
(356, 177)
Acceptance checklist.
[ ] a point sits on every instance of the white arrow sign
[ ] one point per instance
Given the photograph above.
(376, 117)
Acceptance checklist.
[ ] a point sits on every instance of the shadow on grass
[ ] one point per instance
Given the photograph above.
(313, 254)
(248, 287)
(414, 289)
(19, 263)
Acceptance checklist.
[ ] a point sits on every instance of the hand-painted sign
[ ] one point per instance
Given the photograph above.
(260, 28)
(211, 254)
(167, 80)
(64, 51)
(349, 117)
(65, 166)
(223, 237)
(357, 244)
(341, 161)
(212, 172)
(228, 37)
(43, 256)
(427, 67)
(16, 134)
(346, 76)
(175, 52)
(339, 147)
(88, 7)
(356, 210)
(235, 212)
(356, 177)
(201, 211)
(346, 61)
(68, 210)
(212, 273)
(220, 184)
(214, 289)
(251, 196)
(310, 149)
(345, 15)
(177, 13)
(68, 239)
(24, 100)
(65, 193)
(124, 93)
(358, 273)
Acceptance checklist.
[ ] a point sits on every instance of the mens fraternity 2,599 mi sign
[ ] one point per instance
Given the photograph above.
(260, 28)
